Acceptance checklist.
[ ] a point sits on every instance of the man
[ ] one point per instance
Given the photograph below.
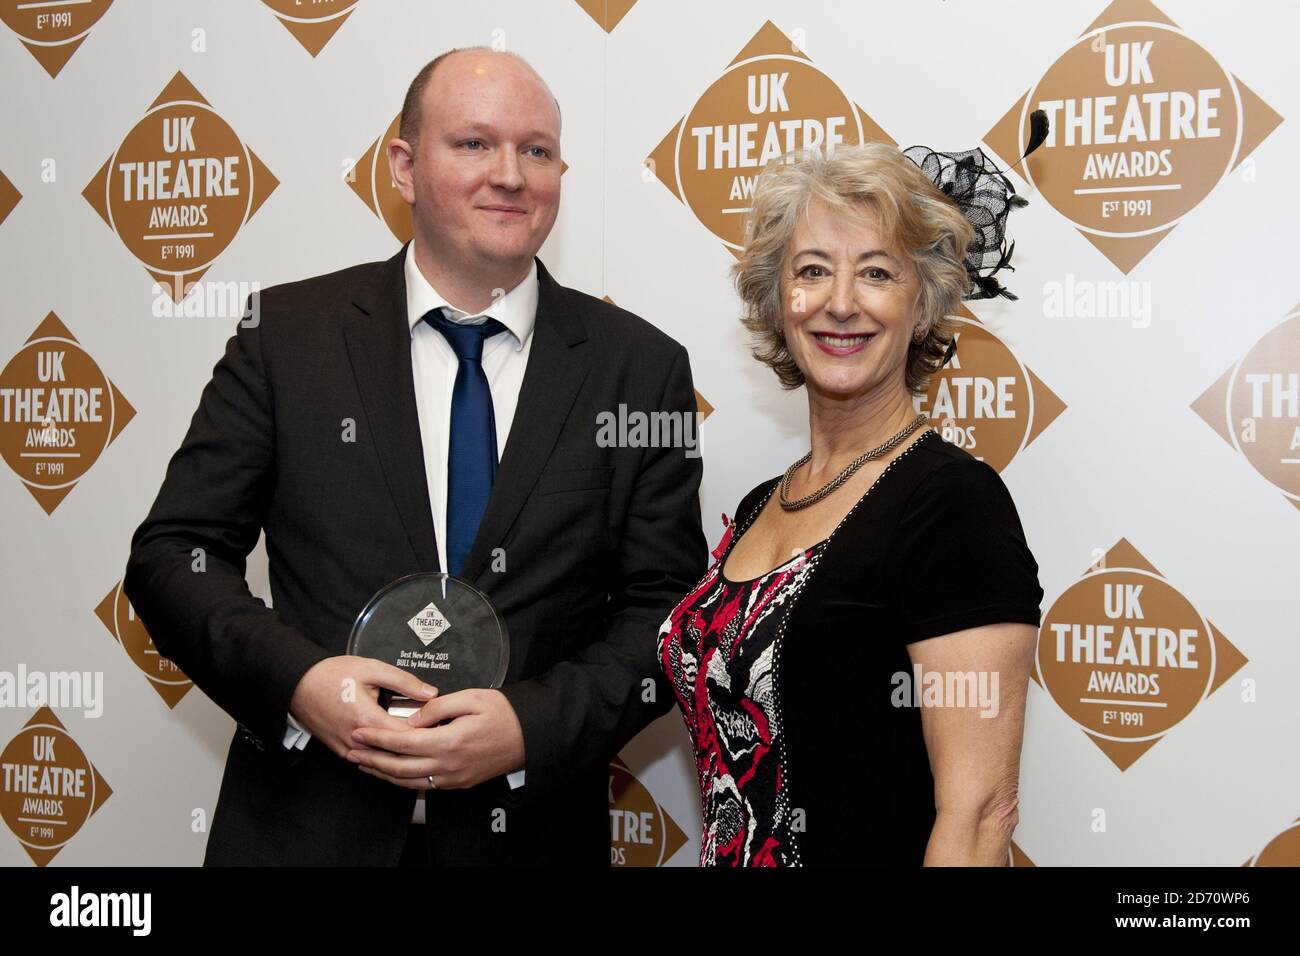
(354, 422)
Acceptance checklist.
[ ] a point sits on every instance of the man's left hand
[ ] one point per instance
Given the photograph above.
(482, 740)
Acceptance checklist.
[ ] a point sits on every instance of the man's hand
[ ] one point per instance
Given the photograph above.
(482, 739)
(340, 694)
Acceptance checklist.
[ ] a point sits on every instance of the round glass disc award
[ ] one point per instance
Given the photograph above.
(437, 627)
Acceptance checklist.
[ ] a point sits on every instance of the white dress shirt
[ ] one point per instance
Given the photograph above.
(434, 364)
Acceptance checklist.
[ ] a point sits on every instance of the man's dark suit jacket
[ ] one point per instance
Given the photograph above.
(599, 545)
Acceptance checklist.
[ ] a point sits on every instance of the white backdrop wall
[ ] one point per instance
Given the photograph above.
(1126, 446)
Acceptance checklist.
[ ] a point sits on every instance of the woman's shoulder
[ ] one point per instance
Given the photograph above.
(745, 512)
(749, 505)
(950, 493)
(941, 468)
(936, 451)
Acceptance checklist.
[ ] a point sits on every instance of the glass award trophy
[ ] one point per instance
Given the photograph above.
(437, 627)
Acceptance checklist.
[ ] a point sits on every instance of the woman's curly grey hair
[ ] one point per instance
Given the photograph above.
(919, 219)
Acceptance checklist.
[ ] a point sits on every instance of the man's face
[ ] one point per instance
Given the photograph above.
(484, 177)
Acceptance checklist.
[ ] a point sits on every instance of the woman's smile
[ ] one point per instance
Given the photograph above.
(839, 344)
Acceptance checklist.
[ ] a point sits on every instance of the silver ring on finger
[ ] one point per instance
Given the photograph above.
(432, 785)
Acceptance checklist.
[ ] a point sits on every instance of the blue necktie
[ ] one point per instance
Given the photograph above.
(472, 448)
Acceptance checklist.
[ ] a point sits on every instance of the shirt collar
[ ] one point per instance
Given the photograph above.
(516, 310)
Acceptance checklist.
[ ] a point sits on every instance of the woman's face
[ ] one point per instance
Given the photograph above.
(850, 304)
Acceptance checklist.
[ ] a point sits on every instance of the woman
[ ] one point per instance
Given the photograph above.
(885, 549)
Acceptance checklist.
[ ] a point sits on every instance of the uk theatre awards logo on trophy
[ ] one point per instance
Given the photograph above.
(439, 628)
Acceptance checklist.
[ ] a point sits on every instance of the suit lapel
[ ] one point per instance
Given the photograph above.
(378, 340)
(379, 348)
(558, 363)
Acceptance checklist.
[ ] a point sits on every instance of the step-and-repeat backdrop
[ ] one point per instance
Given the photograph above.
(160, 160)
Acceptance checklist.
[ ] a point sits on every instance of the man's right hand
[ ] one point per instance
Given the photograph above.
(340, 694)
